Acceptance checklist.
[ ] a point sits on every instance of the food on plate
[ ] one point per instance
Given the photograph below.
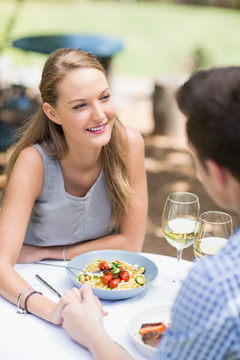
(151, 333)
(152, 338)
(115, 275)
(159, 326)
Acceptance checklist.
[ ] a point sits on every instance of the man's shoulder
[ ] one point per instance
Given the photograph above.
(208, 288)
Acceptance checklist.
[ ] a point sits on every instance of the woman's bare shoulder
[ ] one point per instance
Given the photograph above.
(30, 156)
(30, 163)
(28, 172)
(134, 138)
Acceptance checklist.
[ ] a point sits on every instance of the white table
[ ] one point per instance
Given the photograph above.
(28, 337)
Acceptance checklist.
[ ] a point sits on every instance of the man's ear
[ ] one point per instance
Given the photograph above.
(217, 173)
(51, 113)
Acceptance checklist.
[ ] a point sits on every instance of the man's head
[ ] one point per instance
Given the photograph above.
(211, 101)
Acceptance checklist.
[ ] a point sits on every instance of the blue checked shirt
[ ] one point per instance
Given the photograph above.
(205, 322)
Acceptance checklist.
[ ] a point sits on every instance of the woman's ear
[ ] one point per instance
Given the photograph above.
(51, 113)
(217, 173)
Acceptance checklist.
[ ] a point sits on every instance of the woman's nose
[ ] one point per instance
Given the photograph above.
(98, 113)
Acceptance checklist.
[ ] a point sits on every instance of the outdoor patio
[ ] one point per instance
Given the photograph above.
(169, 165)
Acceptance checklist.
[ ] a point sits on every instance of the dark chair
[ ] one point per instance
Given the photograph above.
(7, 135)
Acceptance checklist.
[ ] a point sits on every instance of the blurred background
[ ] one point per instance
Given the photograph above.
(155, 46)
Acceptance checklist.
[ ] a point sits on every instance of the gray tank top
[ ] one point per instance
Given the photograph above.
(59, 218)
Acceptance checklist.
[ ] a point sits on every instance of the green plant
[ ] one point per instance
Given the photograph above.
(201, 59)
(7, 30)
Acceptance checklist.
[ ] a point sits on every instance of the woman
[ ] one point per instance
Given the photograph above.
(76, 179)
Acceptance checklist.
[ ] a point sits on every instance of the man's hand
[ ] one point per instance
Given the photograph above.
(83, 320)
(70, 297)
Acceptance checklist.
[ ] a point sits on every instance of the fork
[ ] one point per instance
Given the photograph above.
(90, 273)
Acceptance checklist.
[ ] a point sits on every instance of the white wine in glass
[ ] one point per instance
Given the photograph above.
(179, 223)
(215, 227)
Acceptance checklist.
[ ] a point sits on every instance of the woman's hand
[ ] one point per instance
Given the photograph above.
(69, 297)
(73, 296)
(30, 253)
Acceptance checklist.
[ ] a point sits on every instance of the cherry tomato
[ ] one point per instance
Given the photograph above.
(114, 283)
(106, 278)
(125, 276)
(104, 265)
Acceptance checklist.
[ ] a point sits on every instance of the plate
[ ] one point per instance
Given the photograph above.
(152, 314)
(82, 260)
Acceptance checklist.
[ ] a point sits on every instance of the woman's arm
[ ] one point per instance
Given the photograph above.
(24, 186)
(132, 229)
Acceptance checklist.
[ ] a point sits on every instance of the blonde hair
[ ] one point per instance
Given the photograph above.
(39, 129)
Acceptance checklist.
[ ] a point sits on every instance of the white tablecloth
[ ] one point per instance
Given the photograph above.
(28, 337)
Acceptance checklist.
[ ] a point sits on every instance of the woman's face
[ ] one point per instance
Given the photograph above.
(85, 108)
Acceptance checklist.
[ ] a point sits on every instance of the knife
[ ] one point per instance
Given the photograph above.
(54, 291)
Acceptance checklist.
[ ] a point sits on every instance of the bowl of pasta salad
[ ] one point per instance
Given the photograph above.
(113, 274)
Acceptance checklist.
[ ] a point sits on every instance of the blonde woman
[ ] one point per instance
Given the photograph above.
(76, 179)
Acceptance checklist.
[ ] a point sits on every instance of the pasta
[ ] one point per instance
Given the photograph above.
(124, 276)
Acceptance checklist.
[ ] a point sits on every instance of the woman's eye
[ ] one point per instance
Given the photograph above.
(79, 106)
(106, 97)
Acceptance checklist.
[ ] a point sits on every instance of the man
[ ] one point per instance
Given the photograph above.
(206, 314)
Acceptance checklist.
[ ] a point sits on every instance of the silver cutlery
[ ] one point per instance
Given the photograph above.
(90, 273)
(54, 291)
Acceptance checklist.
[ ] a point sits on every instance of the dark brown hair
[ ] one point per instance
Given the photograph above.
(211, 101)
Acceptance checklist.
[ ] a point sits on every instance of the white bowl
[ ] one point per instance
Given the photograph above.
(132, 258)
(152, 314)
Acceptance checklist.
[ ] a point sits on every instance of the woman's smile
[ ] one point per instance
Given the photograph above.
(98, 129)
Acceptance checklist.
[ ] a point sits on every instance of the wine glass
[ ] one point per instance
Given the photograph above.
(215, 227)
(179, 222)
